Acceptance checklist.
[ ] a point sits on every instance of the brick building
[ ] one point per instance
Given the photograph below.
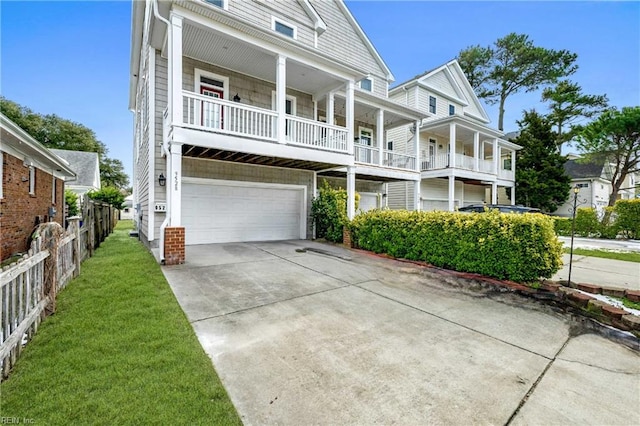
(32, 187)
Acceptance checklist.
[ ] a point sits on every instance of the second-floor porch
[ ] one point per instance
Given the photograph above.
(457, 145)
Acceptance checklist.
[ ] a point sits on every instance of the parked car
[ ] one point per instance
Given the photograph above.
(503, 208)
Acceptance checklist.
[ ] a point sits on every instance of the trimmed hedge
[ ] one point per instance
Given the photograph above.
(518, 247)
(628, 217)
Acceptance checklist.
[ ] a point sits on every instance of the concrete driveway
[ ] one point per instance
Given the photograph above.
(330, 336)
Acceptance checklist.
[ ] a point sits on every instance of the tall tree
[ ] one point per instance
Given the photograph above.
(567, 105)
(512, 65)
(56, 132)
(614, 137)
(540, 178)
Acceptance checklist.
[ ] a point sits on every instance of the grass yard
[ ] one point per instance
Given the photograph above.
(605, 254)
(119, 350)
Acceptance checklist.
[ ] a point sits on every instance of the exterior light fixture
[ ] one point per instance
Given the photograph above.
(162, 180)
(236, 98)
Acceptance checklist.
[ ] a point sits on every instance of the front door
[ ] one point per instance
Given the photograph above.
(212, 115)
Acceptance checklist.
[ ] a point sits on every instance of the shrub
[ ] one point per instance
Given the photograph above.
(505, 246)
(109, 195)
(71, 200)
(562, 225)
(609, 227)
(628, 217)
(587, 223)
(329, 212)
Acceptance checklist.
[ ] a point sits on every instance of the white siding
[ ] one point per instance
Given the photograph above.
(400, 195)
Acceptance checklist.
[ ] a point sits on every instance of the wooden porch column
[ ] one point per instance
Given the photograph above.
(452, 145)
(174, 183)
(330, 108)
(380, 135)
(513, 195)
(351, 192)
(452, 193)
(349, 115)
(496, 156)
(494, 193)
(175, 70)
(476, 151)
(281, 97)
(513, 164)
(417, 203)
(417, 145)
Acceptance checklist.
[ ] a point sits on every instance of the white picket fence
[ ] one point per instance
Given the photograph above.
(28, 287)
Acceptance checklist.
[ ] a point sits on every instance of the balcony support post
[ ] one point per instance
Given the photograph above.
(330, 108)
(496, 156)
(417, 204)
(476, 151)
(175, 70)
(494, 193)
(452, 193)
(513, 195)
(380, 135)
(417, 146)
(349, 114)
(281, 97)
(513, 164)
(174, 184)
(452, 146)
(351, 192)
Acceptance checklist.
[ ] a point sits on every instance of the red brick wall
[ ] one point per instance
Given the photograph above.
(174, 253)
(19, 209)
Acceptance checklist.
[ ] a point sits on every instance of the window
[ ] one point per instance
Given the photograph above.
(366, 84)
(32, 180)
(284, 28)
(218, 3)
(366, 136)
(506, 164)
(432, 104)
(390, 146)
(582, 185)
(452, 110)
(289, 105)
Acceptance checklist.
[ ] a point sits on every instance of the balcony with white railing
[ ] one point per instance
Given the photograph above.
(217, 115)
(366, 154)
(398, 161)
(465, 162)
(506, 174)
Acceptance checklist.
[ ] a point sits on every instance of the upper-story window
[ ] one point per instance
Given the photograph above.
(284, 28)
(432, 104)
(219, 3)
(366, 84)
(389, 145)
(452, 109)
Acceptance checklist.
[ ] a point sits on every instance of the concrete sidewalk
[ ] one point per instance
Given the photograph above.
(602, 272)
(301, 337)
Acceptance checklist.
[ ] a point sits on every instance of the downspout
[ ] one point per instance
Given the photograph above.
(165, 142)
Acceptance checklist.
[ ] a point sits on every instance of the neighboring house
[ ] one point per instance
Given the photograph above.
(462, 160)
(243, 107)
(86, 166)
(32, 187)
(127, 210)
(594, 182)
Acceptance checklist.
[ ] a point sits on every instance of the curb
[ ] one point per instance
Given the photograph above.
(553, 291)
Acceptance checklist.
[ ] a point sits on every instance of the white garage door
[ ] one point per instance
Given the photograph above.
(215, 211)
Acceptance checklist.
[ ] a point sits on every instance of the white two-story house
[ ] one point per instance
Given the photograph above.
(241, 107)
(462, 160)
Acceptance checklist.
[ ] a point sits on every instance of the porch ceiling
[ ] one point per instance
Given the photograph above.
(241, 157)
(342, 173)
(217, 48)
(366, 113)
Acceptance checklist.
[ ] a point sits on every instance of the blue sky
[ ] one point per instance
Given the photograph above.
(72, 58)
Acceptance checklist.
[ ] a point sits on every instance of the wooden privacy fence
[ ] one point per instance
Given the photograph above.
(28, 288)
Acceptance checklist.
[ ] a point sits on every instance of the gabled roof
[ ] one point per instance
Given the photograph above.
(462, 91)
(17, 142)
(581, 170)
(86, 166)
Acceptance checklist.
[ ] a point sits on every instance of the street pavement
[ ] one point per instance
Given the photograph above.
(599, 271)
(307, 333)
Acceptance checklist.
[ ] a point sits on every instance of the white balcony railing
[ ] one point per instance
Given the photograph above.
(366, 154)
(434, 162)
(316, 134)
(398, 161)
(506, 174)
(485, 166)
(222, 116)
(464, 162)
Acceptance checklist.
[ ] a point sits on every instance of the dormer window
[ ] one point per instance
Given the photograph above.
(218, 3)
(452, 109)
(284, 28)
(366, 84)
(432, 104)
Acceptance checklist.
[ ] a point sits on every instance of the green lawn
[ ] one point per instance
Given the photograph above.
(119, 350)
(626, 256)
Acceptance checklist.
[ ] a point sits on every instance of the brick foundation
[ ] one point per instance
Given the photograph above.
(174, 253)
(346, 237)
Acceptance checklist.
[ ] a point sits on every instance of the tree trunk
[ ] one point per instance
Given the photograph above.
(501, 114)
